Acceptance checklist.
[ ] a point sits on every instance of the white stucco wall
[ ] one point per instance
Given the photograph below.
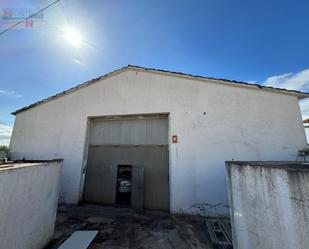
(269, 205)
(28, 204)
(240, 124)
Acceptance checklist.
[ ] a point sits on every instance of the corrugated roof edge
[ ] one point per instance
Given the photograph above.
(299, 94)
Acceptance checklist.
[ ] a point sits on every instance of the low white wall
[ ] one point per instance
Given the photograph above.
(28, 204)
(269, 205)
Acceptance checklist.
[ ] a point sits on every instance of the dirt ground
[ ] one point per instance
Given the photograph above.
(125, 228)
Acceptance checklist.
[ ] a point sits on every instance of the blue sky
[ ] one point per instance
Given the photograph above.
(261, 41)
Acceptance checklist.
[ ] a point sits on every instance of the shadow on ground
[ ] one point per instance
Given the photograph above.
(124, 228)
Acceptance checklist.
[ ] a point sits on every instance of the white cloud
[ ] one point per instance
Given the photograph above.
(304, 106)
(10, 93)
(292, 81)
(5, 133)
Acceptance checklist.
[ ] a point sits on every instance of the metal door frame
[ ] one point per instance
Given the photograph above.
(121, 117)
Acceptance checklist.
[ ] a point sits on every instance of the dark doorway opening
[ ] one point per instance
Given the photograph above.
(124, 185)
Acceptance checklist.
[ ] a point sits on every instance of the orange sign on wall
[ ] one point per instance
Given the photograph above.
(174, 139)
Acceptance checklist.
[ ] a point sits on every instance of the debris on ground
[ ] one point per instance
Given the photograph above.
(124, 228)
(79, 240)
(220, 232)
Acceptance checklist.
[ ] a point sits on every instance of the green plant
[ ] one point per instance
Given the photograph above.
(4, 148)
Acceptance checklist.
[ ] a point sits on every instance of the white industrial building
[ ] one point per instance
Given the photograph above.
(177, 128)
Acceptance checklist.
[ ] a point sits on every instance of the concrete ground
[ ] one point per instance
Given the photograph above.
(124, 228)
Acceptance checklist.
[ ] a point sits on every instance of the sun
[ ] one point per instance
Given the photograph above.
(73, 37)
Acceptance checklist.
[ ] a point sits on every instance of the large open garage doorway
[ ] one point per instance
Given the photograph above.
(128, 162)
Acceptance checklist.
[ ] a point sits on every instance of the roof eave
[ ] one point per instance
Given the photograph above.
(235, 83)
(70, 90)
(298, 94)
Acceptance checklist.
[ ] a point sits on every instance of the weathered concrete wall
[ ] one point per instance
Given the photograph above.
(28, 204)
(239, 123)
(269, 205)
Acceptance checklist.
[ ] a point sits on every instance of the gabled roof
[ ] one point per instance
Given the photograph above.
(298, 94)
